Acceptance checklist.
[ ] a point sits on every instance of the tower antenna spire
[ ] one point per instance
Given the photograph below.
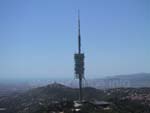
(79, 35)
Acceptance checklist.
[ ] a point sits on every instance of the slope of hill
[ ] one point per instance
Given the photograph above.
(41, 98)
(32, 100)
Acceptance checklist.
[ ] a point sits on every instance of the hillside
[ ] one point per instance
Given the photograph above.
(39, 98)
(43, 96)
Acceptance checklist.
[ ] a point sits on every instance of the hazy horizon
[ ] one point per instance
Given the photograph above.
(38, 38)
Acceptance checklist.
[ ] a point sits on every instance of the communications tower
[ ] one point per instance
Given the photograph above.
(79, 62)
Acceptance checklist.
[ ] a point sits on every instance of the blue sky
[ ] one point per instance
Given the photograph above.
(39, 37)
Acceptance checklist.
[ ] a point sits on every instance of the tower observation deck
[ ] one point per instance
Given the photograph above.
(79, 62)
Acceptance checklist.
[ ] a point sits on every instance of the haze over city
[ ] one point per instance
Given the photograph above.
(38, 38)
